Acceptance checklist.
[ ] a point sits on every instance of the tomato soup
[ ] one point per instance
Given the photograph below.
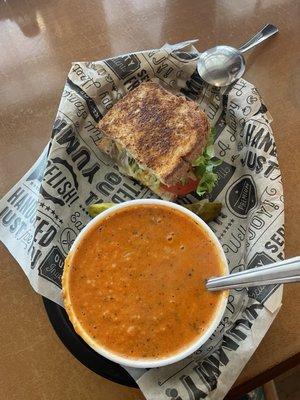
(136, 282)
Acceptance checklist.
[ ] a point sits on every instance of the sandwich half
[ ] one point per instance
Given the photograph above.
(161, 140)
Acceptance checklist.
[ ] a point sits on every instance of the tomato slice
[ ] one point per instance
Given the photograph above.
(181, 190)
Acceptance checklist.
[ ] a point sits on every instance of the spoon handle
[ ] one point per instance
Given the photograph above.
(265, 33)
(279, 272)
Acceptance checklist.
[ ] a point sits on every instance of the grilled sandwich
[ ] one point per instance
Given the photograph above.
(161, 140)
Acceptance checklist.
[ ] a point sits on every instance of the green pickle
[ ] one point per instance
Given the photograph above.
(95, 209)
(208, 211)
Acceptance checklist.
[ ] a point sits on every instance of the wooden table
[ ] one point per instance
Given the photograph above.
(38, 41)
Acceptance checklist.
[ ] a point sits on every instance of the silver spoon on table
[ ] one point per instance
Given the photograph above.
(286, 271)
(222, 65)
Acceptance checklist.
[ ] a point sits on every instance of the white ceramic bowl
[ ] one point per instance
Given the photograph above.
(141, 363)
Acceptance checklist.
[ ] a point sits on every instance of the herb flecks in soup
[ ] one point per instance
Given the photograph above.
(136, 282)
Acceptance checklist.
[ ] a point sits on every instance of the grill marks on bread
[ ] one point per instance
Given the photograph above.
(163, 132)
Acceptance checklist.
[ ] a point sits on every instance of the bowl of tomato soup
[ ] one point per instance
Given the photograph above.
(134, 283)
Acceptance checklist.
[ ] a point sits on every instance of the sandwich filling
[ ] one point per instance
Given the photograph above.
(201, 177)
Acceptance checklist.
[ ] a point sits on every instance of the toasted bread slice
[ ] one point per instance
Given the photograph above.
(162, 132)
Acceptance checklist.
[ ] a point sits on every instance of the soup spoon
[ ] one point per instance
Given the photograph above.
(222, 65)
(286, 271)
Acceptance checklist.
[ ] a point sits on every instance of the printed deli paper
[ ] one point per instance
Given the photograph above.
(43, 213)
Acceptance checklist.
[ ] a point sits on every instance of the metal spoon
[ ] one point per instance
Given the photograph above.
(286, 271)
(222, 65)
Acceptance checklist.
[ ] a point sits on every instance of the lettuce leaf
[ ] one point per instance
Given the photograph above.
(204, 165)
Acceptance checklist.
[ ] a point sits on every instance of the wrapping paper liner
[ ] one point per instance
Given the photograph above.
(44, 212)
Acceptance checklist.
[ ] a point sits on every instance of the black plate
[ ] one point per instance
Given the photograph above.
(87, 356)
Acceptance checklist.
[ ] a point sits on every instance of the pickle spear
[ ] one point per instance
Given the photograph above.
(208, 211)
(95, 209)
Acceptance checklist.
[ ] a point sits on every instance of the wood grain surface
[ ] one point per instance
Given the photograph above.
(38, 41)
